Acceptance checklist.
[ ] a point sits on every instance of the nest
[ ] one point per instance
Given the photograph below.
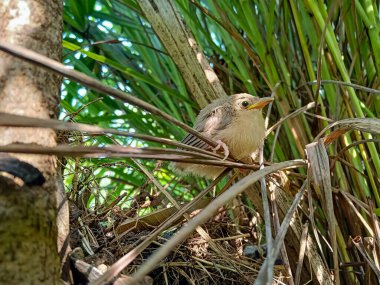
(221, 253)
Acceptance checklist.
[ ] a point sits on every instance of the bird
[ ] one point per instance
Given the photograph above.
(235, 123)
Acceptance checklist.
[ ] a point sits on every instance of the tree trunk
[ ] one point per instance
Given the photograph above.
(28, 213)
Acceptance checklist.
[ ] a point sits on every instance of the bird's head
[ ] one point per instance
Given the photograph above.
(247, 102)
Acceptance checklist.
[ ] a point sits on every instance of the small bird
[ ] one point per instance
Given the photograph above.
(234, 122)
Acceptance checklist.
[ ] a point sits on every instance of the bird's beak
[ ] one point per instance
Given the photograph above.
(261, 103)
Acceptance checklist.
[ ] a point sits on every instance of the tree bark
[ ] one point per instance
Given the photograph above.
(28, 213)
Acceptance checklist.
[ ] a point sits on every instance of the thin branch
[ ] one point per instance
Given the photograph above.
(272, 255)
(208, 212)
(11, 120)
(118, 266)
(267, 217)
(123, 152)
(94, 84)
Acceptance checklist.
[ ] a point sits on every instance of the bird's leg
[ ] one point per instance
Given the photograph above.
(225, 148)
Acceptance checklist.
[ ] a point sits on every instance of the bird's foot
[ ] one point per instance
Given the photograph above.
(225, 148)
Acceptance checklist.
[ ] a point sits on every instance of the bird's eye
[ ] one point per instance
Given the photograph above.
(245, 103)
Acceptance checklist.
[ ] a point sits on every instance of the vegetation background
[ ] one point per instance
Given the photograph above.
(314, 57)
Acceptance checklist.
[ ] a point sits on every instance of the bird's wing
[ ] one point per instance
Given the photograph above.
(192, 140)
(208, 125)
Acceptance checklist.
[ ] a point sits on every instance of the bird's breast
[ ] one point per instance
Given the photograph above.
(244, 135)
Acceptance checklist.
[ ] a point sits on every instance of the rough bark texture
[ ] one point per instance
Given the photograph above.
(28, 215)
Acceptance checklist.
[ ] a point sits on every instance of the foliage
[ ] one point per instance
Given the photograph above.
(304, 51)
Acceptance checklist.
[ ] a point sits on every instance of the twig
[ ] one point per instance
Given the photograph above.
(204, 215)
(11, 120)
(94, 84)
(261, 278)
(118, 266)
(301, 254)
(122, 152)
(267, 219)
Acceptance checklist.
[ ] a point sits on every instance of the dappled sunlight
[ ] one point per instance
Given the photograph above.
(169, 178)
(20, 16)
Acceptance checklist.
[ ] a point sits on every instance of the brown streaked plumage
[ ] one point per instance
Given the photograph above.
(235, 123)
